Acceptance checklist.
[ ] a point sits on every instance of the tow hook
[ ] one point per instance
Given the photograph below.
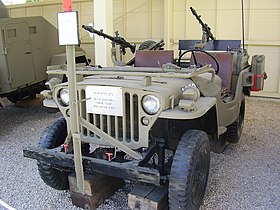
(65, 147)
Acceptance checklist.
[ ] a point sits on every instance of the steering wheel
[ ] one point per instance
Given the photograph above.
(195, 60)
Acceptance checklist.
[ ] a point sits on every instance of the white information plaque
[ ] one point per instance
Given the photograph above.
(104, 100)
(68, 33)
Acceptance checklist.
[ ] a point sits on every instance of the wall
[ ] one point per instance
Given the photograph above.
(139, 20)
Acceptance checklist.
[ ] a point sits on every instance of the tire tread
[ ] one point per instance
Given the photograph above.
(181, 170)
(52, 137)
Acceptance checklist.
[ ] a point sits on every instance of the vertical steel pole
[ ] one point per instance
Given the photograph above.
(243, 24)
(74, 107)
(74, 116)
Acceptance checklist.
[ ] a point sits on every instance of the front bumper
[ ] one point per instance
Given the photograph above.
(128, 170)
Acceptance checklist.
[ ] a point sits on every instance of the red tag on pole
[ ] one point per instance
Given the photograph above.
(67, 5)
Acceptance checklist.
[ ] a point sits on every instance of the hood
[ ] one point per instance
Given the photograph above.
(166, 87)
(4, 13)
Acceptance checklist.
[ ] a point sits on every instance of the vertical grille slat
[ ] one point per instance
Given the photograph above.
(124, 116)
(131, 117)
(94, 119)
(82, 106)
(101, 122)
(136, 117)
(109, 125)
(116, 128)
(91, 121)
(88, 119)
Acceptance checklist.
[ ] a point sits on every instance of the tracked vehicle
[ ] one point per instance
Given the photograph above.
(149, 123)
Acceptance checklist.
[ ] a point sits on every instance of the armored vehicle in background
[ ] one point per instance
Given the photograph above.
(27, 47)
(154, 122)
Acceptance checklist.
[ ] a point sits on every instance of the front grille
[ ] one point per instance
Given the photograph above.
(125, 129)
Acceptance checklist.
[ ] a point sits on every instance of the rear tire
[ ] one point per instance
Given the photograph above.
(54, 136)
(189, 171)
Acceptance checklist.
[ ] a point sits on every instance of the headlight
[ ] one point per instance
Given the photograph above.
(191, 93)
(64, 96)
(150, 104)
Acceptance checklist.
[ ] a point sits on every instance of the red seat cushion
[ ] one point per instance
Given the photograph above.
(153, 58)
(225, 60)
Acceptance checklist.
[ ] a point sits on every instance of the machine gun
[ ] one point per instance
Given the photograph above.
(205, 28)
(115, 40)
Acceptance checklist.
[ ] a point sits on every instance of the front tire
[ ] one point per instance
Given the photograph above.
(54, 136)
(189, 171)
(235, 129)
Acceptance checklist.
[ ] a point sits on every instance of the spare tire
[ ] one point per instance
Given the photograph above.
(146, 45)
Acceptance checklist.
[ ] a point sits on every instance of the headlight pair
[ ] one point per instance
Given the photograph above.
(150, 103)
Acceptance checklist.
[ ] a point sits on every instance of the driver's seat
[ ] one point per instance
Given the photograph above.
(225, 60)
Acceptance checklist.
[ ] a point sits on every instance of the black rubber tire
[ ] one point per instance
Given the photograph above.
(146, 45)
(235, 129)
(53, 137)
(189, 171)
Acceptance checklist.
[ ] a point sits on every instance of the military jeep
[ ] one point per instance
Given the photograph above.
(154, 122)
(149, 124)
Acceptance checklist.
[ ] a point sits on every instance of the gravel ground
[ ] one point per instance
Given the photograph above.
(245, 176)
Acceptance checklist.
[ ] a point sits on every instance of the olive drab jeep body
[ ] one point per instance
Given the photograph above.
(133, 120)
(153, 122)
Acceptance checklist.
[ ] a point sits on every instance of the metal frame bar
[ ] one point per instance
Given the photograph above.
(128, 170)
(137, 71)
(110, 139)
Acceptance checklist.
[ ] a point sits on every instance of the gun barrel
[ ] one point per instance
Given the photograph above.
(205, 27)
(118, 40)
(193, 11)
(99, 33)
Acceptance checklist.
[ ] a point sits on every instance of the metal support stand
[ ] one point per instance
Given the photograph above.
(74, 113)
(161, 157)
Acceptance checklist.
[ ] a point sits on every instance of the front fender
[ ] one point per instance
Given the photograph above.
(203, 105)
